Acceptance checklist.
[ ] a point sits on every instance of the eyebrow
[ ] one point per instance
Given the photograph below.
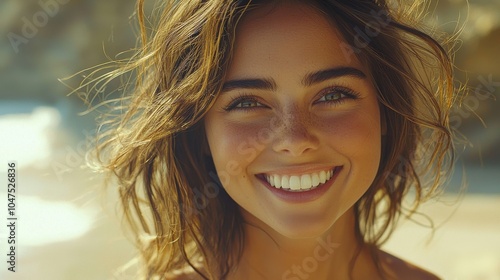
(309, 80)
(324, 75)
(264, 84)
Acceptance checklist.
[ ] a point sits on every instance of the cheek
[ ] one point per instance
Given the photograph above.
(358, 133)
(233, 146)
(358, 138)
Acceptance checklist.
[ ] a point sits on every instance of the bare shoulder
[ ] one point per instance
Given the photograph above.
(401, 269)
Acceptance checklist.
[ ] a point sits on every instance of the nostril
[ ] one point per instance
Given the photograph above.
(295, 143)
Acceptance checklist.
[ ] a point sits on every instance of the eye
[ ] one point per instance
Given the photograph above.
(244, 103)
(337, 95)
(247, 104)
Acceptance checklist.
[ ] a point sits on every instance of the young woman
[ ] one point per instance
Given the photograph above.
(277, 139)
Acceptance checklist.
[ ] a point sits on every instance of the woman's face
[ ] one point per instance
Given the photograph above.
(295, 134)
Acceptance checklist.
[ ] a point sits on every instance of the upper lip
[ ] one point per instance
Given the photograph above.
(299, 170)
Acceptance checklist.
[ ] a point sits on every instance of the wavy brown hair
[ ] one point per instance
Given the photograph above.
(157, 149)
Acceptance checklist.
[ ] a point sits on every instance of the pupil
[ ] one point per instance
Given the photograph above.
(333, 96)
(247, 104)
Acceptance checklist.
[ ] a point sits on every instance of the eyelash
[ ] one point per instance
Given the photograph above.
(240, 98)
(346, 92)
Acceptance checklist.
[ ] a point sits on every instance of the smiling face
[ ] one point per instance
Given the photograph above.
(295, 134)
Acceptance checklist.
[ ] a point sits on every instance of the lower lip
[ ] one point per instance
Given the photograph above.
(302, 196)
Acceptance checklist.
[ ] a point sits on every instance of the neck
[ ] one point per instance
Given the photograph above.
(269, 255)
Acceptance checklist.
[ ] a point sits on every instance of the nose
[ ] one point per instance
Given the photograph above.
(294, 134)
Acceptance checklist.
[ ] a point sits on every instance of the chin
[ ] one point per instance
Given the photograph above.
(304, 227)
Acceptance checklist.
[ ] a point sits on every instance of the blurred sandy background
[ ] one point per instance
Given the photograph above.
(63, 231)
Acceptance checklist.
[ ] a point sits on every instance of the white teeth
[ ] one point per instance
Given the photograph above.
(322, 177)
(285, 183)
(299, 182)
(270, 179)
(315, 179)
(294, 183)
(276, 180)
(305, 180)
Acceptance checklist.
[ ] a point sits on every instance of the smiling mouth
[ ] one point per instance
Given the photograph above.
(299, 183)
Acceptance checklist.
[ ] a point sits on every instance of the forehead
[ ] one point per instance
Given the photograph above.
(288, 35)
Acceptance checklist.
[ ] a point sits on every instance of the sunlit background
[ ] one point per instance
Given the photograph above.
(62, 229)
